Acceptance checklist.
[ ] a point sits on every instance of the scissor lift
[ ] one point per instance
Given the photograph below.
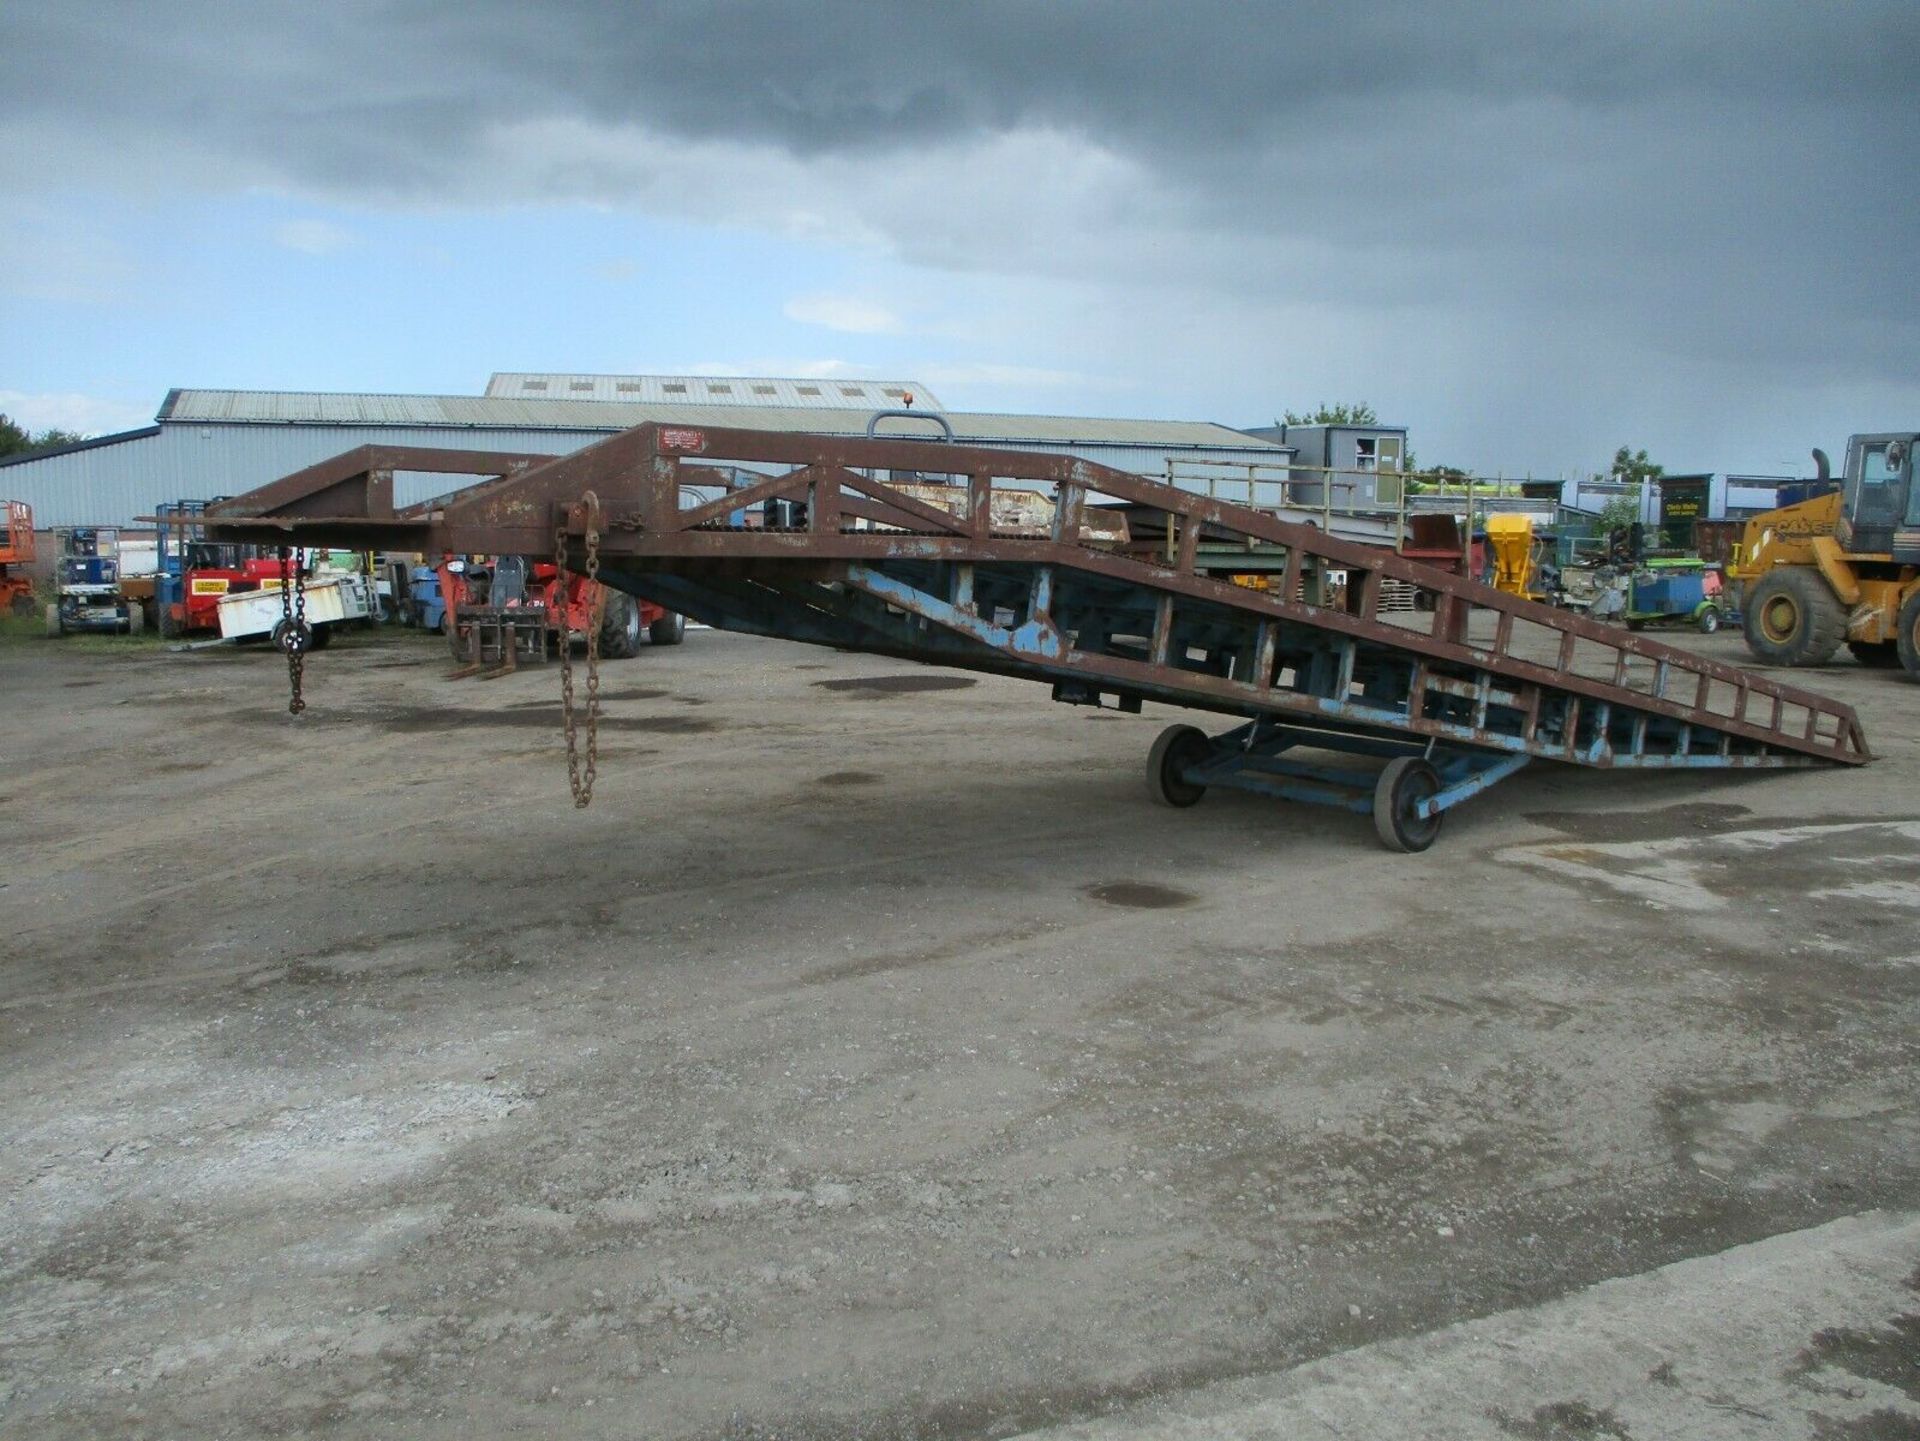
(1054, 569)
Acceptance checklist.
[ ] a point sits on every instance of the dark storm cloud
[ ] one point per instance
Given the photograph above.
(324, 88)
(1727, 182)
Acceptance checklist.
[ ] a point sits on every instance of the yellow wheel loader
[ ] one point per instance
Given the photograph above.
(1844, 566)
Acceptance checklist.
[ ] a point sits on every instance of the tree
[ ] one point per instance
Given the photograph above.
(1632, 467)
(1359, 413)
(16, 441)
(1618, 513)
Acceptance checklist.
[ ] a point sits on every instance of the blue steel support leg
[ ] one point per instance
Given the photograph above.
(1467, 774)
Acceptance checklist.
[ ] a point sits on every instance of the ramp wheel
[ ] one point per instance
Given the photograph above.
(1177, 748)
(1406, 782)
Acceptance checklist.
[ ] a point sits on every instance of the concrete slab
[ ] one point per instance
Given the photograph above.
(1813, 1334)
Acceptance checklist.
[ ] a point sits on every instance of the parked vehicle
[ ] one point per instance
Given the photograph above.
(332, 598)
(16, 551)
(87, 576)
(1682, 590)
(1843, 566)
(486, 603)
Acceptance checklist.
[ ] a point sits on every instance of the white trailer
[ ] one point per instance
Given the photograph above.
(332, 599)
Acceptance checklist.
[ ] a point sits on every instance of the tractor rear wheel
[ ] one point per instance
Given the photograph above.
(1794, 618)
(1908, 637)
(620, 626)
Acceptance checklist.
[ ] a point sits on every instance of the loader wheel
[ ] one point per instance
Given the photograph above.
(620, 627)
(1907, 642)
(1406, 782)
(670, 629)
(1177, 748)
(1876, 654)
(1793, 618)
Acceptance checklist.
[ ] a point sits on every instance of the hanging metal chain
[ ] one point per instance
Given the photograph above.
(579, 776)
(293, 621)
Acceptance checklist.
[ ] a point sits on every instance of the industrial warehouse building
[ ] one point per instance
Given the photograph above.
(207, 443)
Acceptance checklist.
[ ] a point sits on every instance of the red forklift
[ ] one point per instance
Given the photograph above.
(193, 573)
(514, 608)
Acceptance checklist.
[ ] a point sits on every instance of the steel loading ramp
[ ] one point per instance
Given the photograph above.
(1058, 570)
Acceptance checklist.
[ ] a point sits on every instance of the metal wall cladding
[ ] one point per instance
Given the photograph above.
(112, 484)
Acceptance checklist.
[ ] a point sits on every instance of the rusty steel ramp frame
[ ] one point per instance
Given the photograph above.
(1101, 612)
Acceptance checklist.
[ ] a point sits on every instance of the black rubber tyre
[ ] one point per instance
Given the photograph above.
(620, 626)
(1793, 618)
(1708, 620)
(1406, 782)
(291, 636)
(1907, 638)
(1177, 748)
(1876, 655)
(670, 629)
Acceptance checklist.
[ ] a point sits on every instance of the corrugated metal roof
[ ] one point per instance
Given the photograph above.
(257, 407)
(93, 443)
(798, 392)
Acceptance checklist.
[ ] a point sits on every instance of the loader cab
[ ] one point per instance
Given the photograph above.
(1882, 504)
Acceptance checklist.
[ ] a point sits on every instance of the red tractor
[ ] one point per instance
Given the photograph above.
(515, 602)
(16, 549)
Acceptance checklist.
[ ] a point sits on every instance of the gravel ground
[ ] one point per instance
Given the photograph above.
(873, 1058)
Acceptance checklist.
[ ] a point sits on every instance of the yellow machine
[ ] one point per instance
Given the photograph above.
(1516, 555)
(1841, 567)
